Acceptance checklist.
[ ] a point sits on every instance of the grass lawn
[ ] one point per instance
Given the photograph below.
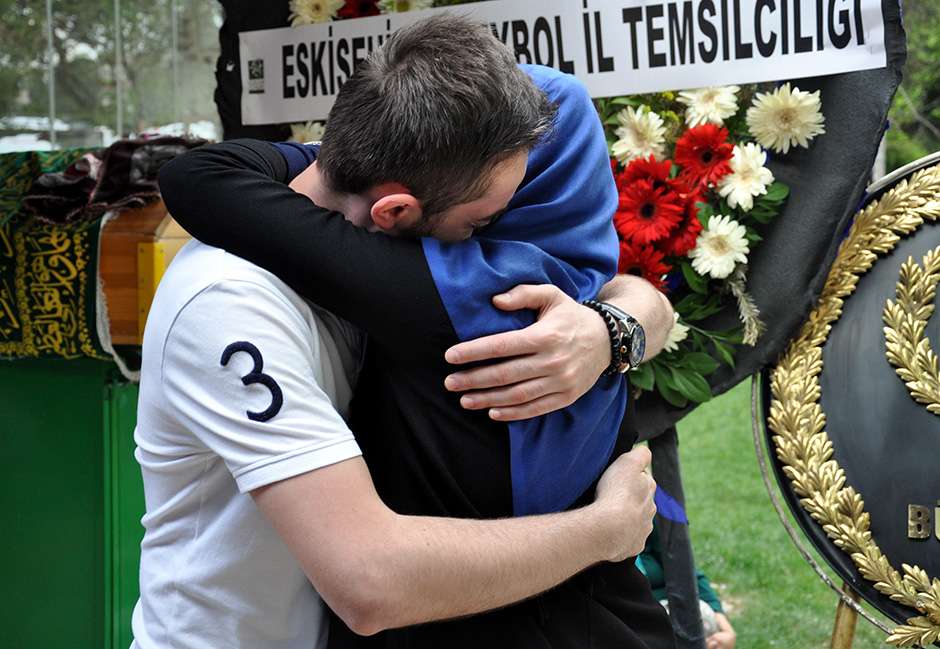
(772, 595)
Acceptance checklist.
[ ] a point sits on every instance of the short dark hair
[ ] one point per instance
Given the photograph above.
(435, 108)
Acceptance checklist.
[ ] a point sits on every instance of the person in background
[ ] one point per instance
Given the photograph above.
(719, 634)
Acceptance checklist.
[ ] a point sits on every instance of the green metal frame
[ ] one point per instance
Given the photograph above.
(71, 500)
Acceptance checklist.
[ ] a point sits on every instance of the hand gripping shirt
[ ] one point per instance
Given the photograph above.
(243, 384)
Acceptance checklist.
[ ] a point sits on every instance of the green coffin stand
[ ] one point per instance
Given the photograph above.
(71, 506)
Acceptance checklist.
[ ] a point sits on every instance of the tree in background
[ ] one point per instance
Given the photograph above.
(85, 66)
(914, 120)
(86, 76)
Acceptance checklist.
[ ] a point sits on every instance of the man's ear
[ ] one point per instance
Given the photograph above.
(395, 210)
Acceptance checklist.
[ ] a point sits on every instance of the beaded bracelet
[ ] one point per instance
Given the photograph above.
(614, 331)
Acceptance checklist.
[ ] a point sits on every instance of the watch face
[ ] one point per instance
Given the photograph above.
(637, 346)
(632, 337)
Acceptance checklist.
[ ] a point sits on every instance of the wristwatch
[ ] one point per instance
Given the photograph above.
(627, 337)
(632, 338)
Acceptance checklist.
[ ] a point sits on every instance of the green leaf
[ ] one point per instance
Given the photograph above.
(777, 192)
(690, 304)
(671, 395)
(706, 208)
(691, 384)
(643, 376)
(705, 211)
(712, 304)
(699, 340)
(725, 352)
(767, 206)
(695, 281)
(722, 207)
(625, 101)
(763, 214)
(733, 335)
(701, 363)
(690, 301)
(664, 385)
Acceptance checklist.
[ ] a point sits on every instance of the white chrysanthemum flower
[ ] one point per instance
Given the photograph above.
(304, 132)
(676, 335)
(719, 247)
(748, 178)
(307, 12)
(785, 118)
(401, 6)
(641, 134)
(712, 105)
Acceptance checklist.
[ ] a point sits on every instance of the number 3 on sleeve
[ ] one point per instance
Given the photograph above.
(256, 376)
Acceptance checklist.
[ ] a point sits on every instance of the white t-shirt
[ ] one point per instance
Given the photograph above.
(243, 384)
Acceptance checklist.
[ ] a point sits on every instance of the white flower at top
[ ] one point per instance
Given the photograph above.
(641, 134)
(304, 132)
(712, 105)
(676, 335)
(307, 12)
(748, 178)
(785, 118)
(401, 6)
(719, 247)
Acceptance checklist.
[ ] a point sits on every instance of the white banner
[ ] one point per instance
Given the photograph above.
(616, 47)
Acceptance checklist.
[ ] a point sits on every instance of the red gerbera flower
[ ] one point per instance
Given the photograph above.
(703, 153)
(358, 9)
(643, 261)
(658, 172)
(645, 168)
(646, 212)
(682, 238)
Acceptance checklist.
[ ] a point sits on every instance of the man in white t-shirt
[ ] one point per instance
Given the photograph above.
(243, 389)
(243, 384)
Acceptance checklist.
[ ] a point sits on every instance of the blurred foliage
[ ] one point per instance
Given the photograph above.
(84, 45)
(914, 119)
(86, 77)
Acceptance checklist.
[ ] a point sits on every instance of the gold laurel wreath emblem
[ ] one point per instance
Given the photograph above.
(798, 423)
(905, 321)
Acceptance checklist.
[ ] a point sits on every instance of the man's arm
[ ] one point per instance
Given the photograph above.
(234, 195)
(378, 570)
(551, 363)
(644, 302)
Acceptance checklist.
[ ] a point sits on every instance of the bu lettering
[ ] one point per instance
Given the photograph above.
(918, 521)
